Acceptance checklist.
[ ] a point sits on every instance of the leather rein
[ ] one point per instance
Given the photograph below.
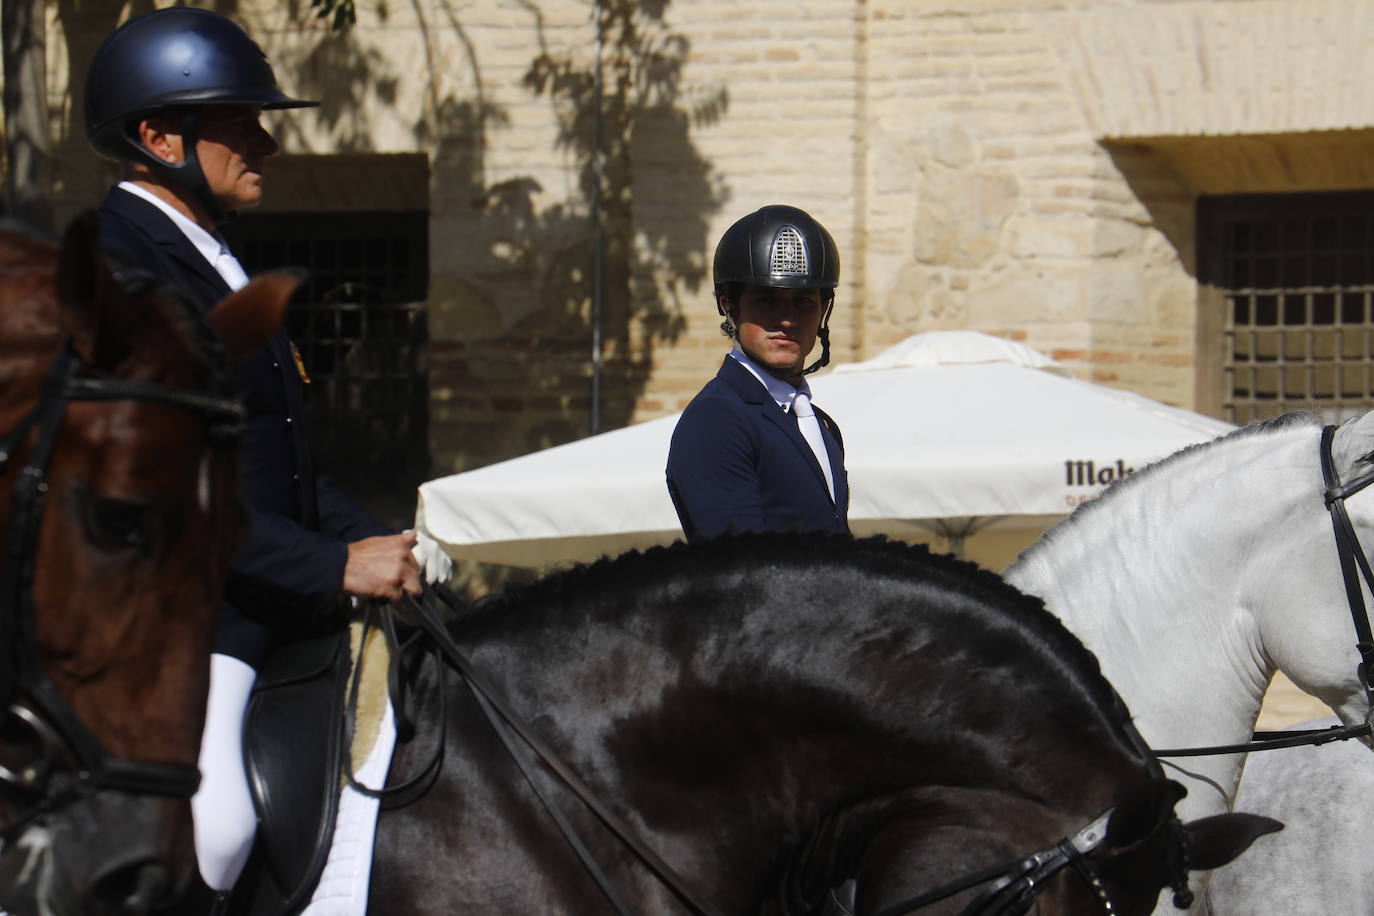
(1354, 566)
(70, 761)
(1014, 883)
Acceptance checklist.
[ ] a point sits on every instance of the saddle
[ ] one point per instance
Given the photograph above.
(293, 751)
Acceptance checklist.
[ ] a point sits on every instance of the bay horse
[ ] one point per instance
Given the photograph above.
(118, 496)
(1198, 577)
(796, 724)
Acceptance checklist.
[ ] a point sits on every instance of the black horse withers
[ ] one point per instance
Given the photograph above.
(784, 720)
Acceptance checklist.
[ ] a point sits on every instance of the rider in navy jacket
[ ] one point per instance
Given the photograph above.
(290, 565)
(739, 462)
(740, 459)
(175, 96)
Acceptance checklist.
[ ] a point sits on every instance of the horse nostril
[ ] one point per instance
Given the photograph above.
(133, 890)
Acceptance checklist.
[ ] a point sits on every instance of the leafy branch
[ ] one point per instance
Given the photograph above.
(343, 13)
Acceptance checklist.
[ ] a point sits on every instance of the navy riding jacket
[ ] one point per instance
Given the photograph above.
(290, 565)
(739, 462)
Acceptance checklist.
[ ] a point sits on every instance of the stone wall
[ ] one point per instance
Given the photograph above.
(1023, 167)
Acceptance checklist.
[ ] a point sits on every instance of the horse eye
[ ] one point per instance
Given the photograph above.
(117, 525)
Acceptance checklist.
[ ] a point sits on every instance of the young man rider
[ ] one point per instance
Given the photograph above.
(750, 452)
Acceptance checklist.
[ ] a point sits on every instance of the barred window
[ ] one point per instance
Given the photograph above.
(1294, 274)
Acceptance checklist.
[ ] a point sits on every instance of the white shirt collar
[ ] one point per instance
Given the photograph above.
(215, 252)
(782, 392)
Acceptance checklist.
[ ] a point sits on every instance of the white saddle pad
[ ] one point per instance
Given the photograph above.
(343, 886)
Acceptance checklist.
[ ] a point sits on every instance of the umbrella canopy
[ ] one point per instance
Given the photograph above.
(947, 430)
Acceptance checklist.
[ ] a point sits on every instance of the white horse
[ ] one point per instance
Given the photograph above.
(1320, 862)
(1197, 578)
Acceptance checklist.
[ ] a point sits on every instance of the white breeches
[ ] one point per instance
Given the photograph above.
(222, 809)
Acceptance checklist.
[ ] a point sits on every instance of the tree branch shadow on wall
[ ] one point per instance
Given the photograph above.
(83, 176)
(515, 277)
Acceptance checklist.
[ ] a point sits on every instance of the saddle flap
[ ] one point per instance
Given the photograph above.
(292, 742)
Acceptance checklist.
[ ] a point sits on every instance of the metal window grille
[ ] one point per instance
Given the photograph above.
(359, 322)
(1296, 278)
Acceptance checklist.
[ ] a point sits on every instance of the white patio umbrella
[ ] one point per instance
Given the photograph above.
(946, 431)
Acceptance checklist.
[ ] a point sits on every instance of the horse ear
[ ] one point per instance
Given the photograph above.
(1359, 432)
(1214, 841)
(246, 319)
(97, 313)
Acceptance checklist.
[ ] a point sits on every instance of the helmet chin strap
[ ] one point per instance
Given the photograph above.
(187, 174)
(823, 333)
(190, 175)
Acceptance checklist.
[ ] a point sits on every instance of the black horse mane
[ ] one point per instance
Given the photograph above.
(1258, 428)
(539, 603)
(635, 568)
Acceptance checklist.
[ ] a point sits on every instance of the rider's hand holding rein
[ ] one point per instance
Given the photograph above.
(382, 567)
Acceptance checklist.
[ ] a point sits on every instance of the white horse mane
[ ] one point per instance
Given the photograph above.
(1273, 425)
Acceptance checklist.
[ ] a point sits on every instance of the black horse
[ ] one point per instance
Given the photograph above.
(776, 717)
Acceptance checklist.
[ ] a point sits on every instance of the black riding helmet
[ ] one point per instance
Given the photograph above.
(171, 61)
(778, 246)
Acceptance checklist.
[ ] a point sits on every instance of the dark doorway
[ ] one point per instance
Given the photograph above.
(359, 321)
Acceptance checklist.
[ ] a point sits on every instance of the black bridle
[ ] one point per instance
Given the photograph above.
(70, 762)
(1354, 566)
(1352, 557)
(1014, 884)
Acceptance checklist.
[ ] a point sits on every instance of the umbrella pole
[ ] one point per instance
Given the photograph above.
(955, 530)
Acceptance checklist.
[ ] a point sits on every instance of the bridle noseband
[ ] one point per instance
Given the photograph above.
(70, 762)
(1014, 884)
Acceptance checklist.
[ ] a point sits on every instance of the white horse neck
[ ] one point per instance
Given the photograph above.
(1194, 580)
(1169, 577)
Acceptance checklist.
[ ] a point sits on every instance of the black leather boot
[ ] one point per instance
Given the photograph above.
(200, 900)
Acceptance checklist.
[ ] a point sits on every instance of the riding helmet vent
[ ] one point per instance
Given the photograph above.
(789, 257)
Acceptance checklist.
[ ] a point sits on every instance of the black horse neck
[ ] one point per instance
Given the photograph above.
(725, 692)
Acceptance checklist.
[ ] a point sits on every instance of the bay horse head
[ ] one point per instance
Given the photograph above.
(119, 507)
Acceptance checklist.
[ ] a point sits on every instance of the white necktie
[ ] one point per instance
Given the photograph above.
(811, 430)
(229, 268)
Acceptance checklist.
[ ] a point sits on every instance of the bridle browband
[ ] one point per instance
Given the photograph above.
(1354, 565)
(26, 691)
(1014, 883)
